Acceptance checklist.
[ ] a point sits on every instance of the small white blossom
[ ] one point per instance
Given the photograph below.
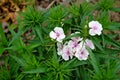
(67, 53)
(74, 45)
(95, 28)
(57, 34)
(82, 54)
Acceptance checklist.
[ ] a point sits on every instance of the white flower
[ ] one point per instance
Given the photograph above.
(74, 45)
(89, 44)
(57, 34)
(82, 54)
(67, 53)
(95, 28)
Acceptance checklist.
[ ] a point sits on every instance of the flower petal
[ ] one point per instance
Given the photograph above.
(92, 32)
(91, 24)
(59, 30)
(99, 32)
(89, 44)
(65, 57)
(52, 35)
(100, 27)
(59, 48)
(59, 40)
(62, 36)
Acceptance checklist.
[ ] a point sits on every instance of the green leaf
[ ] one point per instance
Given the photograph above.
(34, 45)
(105, 5)
(95, 64)
(74, 63)
(20, 77)
(115, 9)
(16, 35)
(38, 31)
(37, 70)
(1, 50)
(114, 26)
(110, 41)
(20, 61)
(97, 41)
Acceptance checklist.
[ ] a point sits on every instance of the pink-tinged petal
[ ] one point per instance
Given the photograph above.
(89, 44)
(81, 45)
(76, 39)
(52, 35)
(99, 33)
(91, 24)
(59, 30)
(74, 44)
(65, 57)
(62, 36)
(70, 43)
(98, 29)
(59, 48)
(92, 32)
(67, 52)
(82, 54)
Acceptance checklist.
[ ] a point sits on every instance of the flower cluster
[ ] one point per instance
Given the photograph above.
(76, 46)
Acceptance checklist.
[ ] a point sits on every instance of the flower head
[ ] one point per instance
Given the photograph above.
(67, 52)
(73, 45)
(57, 34)
(82, 54)
(95, 28)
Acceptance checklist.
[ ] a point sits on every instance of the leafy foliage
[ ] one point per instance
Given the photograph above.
(38, 60)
